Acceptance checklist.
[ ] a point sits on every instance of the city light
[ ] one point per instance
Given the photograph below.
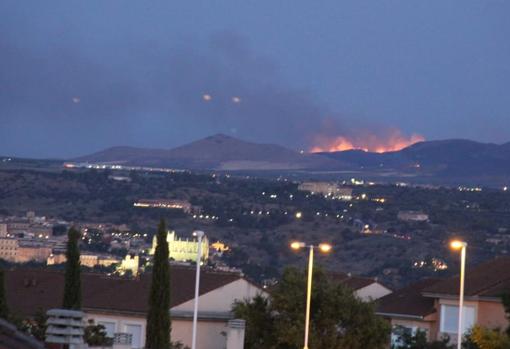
(457, 244)
(296, 245)
(460, 245)
(325, 247)
(299, 215)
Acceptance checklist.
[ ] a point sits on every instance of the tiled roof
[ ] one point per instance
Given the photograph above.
(28, 289)
(490, 279)
(409, 301)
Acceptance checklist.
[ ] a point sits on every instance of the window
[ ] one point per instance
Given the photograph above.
(136, 332)
(399, 332)
(109, 328)
(450, 316)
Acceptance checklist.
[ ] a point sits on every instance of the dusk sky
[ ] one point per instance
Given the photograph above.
(80, 76)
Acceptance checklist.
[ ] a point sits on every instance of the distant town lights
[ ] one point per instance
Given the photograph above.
(299, 215)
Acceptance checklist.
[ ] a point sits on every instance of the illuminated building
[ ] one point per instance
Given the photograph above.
(332, 190)
(220, 246)
(185, 206)
(3, 230)
(413, 216)
(129, 263)
(182, 249)
(86, 260)
(13, 250)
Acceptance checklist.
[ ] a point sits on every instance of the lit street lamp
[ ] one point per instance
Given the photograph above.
(323, 247)
(199, 234)
(460, 245)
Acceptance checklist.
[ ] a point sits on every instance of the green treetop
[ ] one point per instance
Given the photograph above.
(158, 317)
(72, 287)
(338, 318)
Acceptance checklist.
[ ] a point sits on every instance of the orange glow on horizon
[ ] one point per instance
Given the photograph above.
(394, 141)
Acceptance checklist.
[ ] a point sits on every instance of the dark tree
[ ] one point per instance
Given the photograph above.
(37, 327)
(419, 340)
(4, 309)
(338, 318)
(257, 313)
(95, 335)
(72, 287)
(505, 299)
(158, 318)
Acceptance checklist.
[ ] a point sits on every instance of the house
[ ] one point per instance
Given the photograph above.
(432, 305)
(408, 310)
(364, 288)
(121, 305)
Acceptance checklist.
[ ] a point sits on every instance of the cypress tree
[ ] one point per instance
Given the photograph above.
(4, 310)
(158, 317)
(72, 287)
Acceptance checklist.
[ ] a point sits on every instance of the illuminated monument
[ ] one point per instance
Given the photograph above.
(183, 249)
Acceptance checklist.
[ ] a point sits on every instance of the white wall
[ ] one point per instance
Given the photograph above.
(372, 292)
(121, 323)
(211, 334)
(221, 299)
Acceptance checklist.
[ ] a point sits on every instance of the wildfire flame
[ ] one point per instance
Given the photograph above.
(393, 141)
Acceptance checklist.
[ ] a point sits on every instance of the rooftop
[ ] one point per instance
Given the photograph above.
(487, 280)
(409, 301)
(28, 290)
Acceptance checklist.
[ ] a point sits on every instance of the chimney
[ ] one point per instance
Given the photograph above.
(235, 334)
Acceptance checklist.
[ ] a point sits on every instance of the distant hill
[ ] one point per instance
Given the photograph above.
(219, 152)
(455, 157)
(446, 162)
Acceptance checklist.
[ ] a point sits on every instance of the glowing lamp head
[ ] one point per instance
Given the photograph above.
(296, 245)
(457, 244)
(299, 215)
(325, 247)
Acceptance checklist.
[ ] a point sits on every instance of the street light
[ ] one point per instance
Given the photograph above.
(325, 248)
(199, 235)
(460, 245)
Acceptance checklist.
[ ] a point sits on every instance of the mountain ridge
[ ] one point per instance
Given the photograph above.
(439, 158)
(219, 152)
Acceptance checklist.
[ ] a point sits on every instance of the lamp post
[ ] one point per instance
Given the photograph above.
(324, 248)
(460, 245)
(199, 235)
